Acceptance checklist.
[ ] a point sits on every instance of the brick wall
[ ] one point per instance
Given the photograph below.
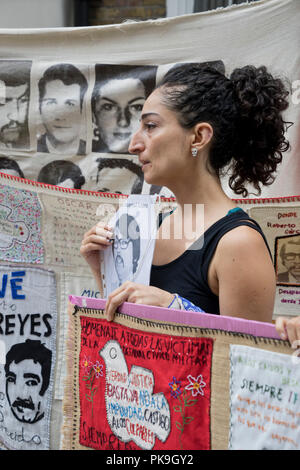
(102, 12)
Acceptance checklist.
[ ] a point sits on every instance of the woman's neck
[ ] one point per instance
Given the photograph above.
(205, 190)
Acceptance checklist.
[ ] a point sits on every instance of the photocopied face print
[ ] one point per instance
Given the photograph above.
(130, 256)
(10, 167)
(119, 176)
(62, 88)
(287, 256)
(14, 104)
(118, 98)
(62, 173)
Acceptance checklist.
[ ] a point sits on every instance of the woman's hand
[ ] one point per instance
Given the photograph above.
(96, 239)
(289, 328)
(137, 294)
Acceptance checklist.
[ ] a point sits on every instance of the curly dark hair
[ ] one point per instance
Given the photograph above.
(245, 112)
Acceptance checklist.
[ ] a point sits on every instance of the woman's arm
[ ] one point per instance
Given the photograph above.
(244, 275)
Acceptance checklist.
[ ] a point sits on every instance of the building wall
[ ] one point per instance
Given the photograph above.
(36, 13)
(102, 12)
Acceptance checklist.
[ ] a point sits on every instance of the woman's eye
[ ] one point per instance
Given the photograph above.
(107, 107)
(150, 125)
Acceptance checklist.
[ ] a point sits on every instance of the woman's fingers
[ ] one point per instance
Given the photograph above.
(280, 325)
(117, 297)
(289, 328)
(113, 303)
(97, 239)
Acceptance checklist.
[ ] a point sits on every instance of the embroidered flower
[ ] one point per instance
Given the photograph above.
(98, 369)
(175, 388)
(196, 385)
(86, 364)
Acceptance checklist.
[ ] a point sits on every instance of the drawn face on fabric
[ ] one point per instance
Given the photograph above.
(123, 256)
(291, 259)
(162, 144)
(117, 112)
(23, 385)
(13, 114)
(61, 112)
(126, 248)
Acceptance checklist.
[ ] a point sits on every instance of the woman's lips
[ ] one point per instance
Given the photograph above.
(144, 163)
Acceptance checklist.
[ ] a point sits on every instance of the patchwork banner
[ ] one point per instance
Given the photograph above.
(71, 98)
(28, 318)
(160, 379)
(44, 225)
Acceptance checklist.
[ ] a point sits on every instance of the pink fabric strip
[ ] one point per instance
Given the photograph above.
(203, 320)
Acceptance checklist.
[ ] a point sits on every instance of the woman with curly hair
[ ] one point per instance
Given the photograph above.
(195, 127)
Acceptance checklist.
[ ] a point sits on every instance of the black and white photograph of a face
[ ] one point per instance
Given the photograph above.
(14, 104)
(118, 98)
(62, 89)
(288, 260)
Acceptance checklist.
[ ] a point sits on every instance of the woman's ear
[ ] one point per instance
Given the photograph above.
(202, 135)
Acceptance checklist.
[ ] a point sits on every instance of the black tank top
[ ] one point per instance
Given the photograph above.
(187, 274)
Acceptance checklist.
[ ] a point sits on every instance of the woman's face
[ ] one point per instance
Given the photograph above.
(117, 112)
(162, 144)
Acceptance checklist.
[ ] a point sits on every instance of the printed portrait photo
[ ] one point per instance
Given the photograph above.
(164, 69)
(10, 167)
(14, 104)
(287, 260)
(62, 173)
(62, 89)
(119, 176)
(117, 101)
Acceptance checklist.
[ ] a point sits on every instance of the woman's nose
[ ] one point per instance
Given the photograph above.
(136, 145)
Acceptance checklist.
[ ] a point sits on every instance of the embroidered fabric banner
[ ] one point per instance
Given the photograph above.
(107, 72)
(265, 402)
(20, 226)
(154, 378)
(28, 318)
(149, 388)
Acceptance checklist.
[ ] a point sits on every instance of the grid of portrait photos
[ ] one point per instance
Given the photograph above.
(70, 124)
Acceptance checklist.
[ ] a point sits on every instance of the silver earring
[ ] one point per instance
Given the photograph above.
(194, 152)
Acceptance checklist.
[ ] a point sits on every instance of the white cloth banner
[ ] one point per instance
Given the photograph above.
(265, 404)
(75, 131)
(28, 344)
